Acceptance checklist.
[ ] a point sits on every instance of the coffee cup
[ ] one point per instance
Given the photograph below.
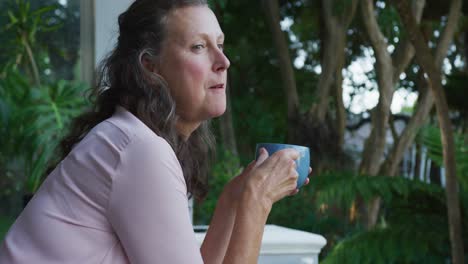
(302, 163)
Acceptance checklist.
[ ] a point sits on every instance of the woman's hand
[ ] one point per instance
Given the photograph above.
(273, 177)
(253, 193)
(234, 189)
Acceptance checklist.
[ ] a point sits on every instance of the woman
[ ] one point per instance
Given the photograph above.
(120, 195)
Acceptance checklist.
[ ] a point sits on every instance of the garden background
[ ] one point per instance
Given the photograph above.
(376, 89)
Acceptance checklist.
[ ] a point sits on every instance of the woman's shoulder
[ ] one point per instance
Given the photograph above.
(141, 137)
(145, 151)
(131, 128)
(116, 134)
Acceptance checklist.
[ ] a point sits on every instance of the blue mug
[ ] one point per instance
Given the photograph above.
(302, 163)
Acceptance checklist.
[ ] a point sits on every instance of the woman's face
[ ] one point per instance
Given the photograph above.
(194, 65)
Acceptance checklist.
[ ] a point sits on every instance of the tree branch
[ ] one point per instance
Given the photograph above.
(348, 16)
(375, 143)
(376, 36)
(404, 53)
(332, 45)
(449, 31)
(419, 117)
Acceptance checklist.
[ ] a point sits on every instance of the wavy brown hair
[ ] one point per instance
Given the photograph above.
(123, 80)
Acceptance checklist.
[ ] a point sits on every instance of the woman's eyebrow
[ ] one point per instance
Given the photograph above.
(206, 35)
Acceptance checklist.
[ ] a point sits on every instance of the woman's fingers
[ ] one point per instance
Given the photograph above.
(294, 192)
(277, 174)
(279, 160)
(263, 155)
(291, 153)
(249, 167)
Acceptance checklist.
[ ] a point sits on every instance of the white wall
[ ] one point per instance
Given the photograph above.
(99, 31)
(106, 25)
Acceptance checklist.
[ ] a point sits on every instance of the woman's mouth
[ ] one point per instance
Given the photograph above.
(217, 86)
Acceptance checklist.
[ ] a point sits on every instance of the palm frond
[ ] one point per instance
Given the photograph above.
(430, 137)
(392, 244)
(342, 188)
(34, 121)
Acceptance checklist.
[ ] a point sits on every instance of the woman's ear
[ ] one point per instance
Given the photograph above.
(148, 63)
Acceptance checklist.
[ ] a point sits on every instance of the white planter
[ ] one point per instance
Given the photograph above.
(281, 245)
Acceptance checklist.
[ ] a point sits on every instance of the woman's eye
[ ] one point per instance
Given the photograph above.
(198, 47)
(221, 46)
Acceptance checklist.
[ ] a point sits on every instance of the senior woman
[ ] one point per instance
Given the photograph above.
(120, 193)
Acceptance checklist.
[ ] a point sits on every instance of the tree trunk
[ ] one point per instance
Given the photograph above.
(375, 143)
(322, 127)
(333, 44)
(339, 105)
(404, 53)
(419, 117)
(388, 71)
(429, 65)
(417, 120)
(271, 8)
(333, 61)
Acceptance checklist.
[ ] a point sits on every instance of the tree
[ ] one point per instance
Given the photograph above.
(388, 68)
(428, 64)
(333, 60)
(425, 101)
(271, 8)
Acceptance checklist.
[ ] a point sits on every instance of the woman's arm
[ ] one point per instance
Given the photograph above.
(219, 232)
(148, 206)
(271, 180)
(244, 207)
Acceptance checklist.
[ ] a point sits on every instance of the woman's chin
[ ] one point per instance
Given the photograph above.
(218, 112)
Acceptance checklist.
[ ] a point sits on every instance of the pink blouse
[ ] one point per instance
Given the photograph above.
(118, 197)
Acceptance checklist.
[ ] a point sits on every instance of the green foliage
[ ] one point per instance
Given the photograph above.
(399, 244)
(49, 115)
(456, 92)
(33, 122)
(60, 48)
(297, 211)
(34, 115)
(341, 189)
(23, 25)
(430, 137)
(389, 23)
(29, 21)
(413, 227)
(217, 3)
(341, 6)
(5, 224)
(223, 171)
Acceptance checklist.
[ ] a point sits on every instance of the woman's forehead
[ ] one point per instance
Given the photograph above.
(189, 22)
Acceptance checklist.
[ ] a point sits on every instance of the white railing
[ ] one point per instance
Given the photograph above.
(281, 245)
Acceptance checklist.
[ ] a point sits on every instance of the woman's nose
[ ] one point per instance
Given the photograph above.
(222, 63)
